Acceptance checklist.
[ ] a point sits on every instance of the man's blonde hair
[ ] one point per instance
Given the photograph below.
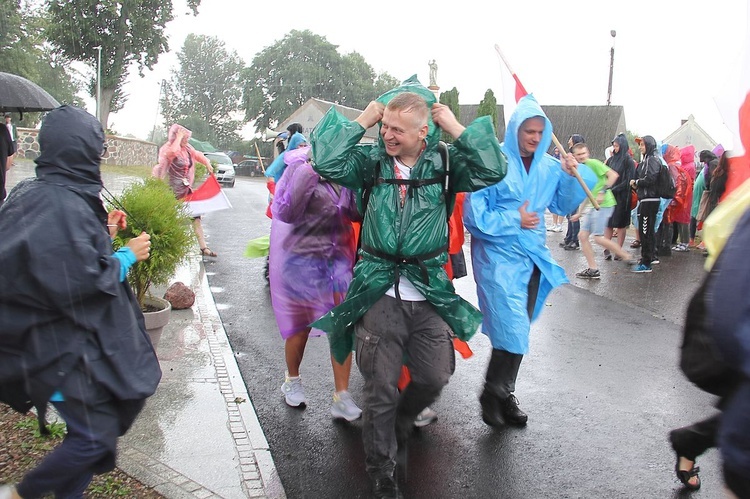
(409, 102)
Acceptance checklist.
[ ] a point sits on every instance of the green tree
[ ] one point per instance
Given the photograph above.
(25, 52)
(450, 99)
(488, 107)
(128, 32)
(301, 66)
(204, 92)
(16, 56)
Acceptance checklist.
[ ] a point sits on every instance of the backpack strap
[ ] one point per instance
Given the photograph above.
(444, 178)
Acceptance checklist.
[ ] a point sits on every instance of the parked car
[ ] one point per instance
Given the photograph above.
(223, 167)
(249, 167)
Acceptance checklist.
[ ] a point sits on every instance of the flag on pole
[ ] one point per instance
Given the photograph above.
(207, 198)
(513, 89)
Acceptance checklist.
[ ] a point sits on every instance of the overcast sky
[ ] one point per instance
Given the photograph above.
(671, 57)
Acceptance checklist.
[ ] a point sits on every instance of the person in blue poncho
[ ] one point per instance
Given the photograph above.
(513, 267)
(276, 168)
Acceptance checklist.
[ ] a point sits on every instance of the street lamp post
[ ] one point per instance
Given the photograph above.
(612, 33)
(99, 85)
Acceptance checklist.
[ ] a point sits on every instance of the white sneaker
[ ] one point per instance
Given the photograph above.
(426, 417)
(558, 228)
(294, 393)
(344, 407)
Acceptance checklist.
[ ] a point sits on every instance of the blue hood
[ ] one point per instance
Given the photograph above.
(527, 108)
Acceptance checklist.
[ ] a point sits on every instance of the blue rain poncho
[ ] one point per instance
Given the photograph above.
(276, 169)
(503, 254)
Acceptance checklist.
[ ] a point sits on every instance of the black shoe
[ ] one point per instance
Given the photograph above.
(511, 412)
(563, 244)
(571, 246)
(384, 486)
(491, 411)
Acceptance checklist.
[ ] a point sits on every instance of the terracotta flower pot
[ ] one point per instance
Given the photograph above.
(155, 321)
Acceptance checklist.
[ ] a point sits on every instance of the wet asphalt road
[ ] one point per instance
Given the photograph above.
(601, 386)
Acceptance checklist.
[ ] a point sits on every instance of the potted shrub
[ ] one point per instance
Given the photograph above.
(152, 207)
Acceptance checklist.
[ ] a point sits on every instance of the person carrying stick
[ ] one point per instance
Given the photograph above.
(513, 267)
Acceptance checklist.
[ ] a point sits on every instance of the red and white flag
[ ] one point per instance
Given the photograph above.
(207, 198)
(734, 107)
(513, 89)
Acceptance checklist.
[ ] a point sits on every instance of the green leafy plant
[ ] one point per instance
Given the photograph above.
(153, 208)
(201, 172)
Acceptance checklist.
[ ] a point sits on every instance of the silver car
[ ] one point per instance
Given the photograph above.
(223, 167)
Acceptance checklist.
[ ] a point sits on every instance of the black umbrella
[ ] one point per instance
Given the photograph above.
(23, 96)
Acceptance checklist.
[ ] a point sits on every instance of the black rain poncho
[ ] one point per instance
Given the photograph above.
(64, 313)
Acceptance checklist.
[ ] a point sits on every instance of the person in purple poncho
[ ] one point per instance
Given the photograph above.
(311, 259)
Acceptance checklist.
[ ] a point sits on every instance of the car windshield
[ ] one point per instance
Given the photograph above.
(221, 159)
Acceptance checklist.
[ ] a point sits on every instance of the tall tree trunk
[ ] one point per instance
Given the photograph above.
(106, 105)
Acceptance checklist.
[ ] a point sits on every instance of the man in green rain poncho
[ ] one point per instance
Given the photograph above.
(401, 306)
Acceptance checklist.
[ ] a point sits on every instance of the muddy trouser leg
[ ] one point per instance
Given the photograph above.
(388, 331)
(431, 361)
(502, 370)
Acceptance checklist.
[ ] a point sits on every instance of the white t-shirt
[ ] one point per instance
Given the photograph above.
(405, 288)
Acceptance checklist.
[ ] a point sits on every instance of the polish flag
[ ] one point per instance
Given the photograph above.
(513, 89)
(207, 198)
(734, 107)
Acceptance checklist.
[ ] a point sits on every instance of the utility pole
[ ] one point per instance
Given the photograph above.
(99, 86)
(612, 33)
(158, 108)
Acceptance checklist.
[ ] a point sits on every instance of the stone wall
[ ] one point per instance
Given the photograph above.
(120, 150)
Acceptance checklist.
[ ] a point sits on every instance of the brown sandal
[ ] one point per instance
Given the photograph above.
(635, 244)
(207, 252)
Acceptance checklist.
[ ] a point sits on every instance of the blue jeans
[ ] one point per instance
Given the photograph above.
(393, 332)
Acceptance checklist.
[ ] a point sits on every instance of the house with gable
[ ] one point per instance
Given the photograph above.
(688, 133)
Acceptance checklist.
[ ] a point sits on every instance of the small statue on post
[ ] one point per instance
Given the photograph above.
(433, 73)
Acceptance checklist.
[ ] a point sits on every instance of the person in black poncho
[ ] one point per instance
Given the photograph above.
(71, 332)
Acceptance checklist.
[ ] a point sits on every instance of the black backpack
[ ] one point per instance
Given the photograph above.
(665, 183)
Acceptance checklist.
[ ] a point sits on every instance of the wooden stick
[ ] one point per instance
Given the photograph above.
(260, 159)
(577, 175)
(554, 139)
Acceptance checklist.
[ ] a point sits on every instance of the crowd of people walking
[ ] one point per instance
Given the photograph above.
(363, 250)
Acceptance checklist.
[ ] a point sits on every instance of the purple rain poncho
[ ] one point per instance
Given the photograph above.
(312, 245)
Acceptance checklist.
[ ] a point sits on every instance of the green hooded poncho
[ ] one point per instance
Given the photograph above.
(419, 228)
